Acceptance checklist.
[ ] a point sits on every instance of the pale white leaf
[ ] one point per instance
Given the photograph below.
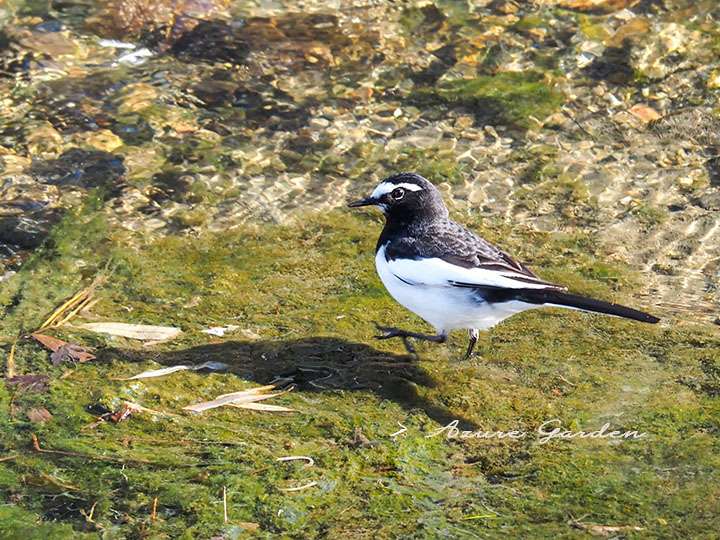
(220, 331)
(227, 399)
(262, 407)
(212, 366)
(142, 332)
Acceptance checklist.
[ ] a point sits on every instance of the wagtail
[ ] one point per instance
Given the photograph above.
(449, 276)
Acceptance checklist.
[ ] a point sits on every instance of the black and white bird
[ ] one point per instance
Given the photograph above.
(448, 275)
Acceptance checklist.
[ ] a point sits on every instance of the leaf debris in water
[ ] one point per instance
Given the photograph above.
(220, 331)
(77, 302)
(212, 366)
(237, 398)
(143, 332)
(29, 383)
(262, 407)
(62, 350)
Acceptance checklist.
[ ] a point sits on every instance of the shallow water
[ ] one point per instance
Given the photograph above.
(254, 112)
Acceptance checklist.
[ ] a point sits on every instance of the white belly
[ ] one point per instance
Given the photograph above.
(445, 307)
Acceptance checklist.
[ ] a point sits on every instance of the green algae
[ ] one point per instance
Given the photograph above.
(513, 98)
(313, 303)
(430, 163)
(650, 216)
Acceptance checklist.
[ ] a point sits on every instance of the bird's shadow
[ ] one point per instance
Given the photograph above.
(315, 364)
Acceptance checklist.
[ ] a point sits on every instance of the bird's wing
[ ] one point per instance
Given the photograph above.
(447, 254)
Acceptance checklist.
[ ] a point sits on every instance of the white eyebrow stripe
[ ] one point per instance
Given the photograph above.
(387, 187)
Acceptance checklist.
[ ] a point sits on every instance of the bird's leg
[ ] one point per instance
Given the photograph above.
(388, 332)
(473, 333)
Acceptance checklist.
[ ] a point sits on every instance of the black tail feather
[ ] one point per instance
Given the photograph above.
(560, 298)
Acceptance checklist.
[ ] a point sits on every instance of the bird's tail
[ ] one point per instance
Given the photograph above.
(563, 299)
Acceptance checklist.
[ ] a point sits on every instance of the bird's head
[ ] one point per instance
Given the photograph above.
(405, 197)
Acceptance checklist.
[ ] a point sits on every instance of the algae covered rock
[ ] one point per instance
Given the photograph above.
(168, 18)
(86, 168)
(510, 98)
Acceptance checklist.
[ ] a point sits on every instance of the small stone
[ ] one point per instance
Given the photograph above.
(657, 57)
(555, 120)
(464, 122)
(506, 8)
(136, 97)
(53, 44)
(104, 140)
(635, 27)
(710, 201)
(23, 231)
(13, 164)
(43, 140)
(364, 93)
(686, 181)
(645, 113)
(605, 6)
(714, 80)
(614, 101)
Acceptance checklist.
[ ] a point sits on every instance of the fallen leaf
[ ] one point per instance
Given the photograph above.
(606, 530)
(70, 352)
(262, 407)
(142, 332)
(220, 331)
(62, 350)
(212, 366)
(245, 396)
(49, 342)
(30, 383)
(299, 488)
(39, 415)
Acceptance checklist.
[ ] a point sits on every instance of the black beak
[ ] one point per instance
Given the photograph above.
(362, 202)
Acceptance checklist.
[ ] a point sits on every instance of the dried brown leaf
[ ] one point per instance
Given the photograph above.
(39, 415)
(30, 383)
(62, 350)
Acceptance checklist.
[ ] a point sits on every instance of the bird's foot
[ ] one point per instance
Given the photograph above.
(387, 332)
(473, 335)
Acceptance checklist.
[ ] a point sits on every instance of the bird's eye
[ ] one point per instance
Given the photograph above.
(398, 193)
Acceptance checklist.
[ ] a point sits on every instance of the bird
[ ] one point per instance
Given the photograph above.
(451, 277)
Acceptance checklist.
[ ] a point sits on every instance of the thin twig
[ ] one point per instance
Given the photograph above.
(89, 515)
(10, 365)
(153, 514)
(310, 461)
(225, 515)
(299, 488)
(73, 306)
(399, 432)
